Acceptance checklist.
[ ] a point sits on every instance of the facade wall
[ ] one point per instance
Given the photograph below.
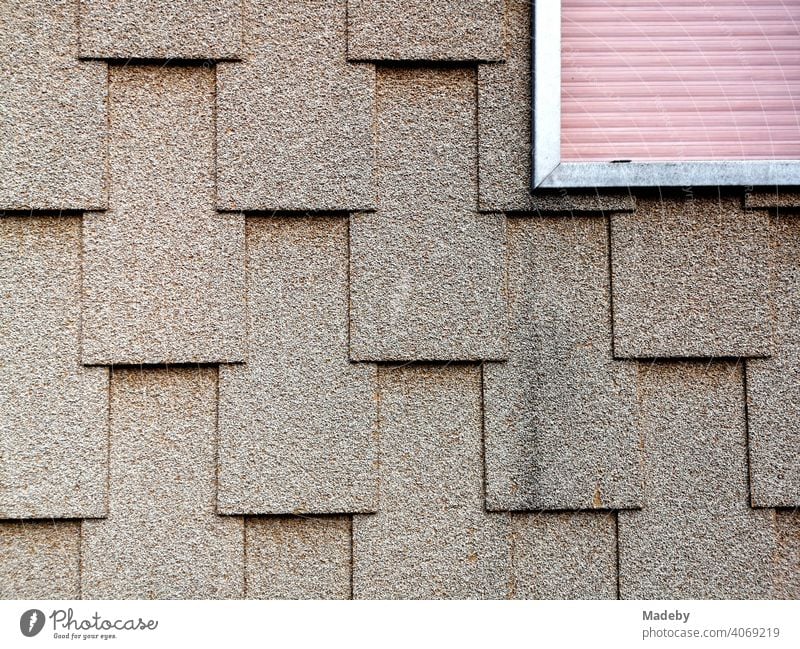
(281, 318)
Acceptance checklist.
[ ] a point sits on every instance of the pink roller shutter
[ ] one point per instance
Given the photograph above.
(680, 80)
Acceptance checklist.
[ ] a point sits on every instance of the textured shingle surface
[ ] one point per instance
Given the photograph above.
(298, 403)
(431, 537)
(504, 133)
(160, 29)
(40, 560)
(448, 30)
(773, 385)
(162, 538)
(560, 414)
(53, 411)
(690, 275)
(427, 270)
(776, 197)
(696, 536)
(294, 118)
(298, 557)
(787, 581)
(303, 298)
(52, 110)
(564, 556)
(163, 272)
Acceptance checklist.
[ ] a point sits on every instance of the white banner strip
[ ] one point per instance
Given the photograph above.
(405, 624)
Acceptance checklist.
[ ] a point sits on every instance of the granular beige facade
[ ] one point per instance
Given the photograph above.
(281, 318)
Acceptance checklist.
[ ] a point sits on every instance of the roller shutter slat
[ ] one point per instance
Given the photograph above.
(678, 79)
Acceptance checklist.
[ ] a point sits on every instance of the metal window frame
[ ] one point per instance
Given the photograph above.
(548, 171)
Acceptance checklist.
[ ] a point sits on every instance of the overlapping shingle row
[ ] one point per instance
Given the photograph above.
(280, 318)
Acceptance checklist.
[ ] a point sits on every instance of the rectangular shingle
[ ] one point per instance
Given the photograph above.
(787, 577)
(298, 557)
(773, 391)
(403, 30)
(160, 29)
(431, 537)
(53, 411)
(427, 270)
(163, 271)
(696, 536)
(162, 538)
(504, 133)
(294, 118)
(52, 111)
(40, 560)
(690, 278)
(282, 450)
(560, 414)
(571, 555)
(775, 197)
(773, 384)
